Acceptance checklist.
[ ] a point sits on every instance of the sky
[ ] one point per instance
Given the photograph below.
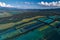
(30, 4)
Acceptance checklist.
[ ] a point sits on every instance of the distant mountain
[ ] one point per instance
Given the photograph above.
(27, 10)
(7, 9)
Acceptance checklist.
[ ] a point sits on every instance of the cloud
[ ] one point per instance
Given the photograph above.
(41, 4)
(2, 4)
(27, 3)
(55, 4)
